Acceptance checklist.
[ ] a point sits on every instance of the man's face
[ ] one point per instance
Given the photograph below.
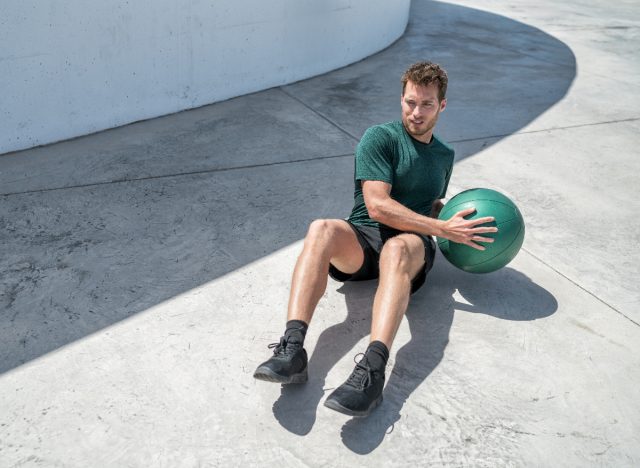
(420, 110)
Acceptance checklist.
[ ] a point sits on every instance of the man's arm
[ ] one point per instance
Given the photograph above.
(385, 210)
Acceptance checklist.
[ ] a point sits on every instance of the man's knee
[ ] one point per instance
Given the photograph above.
(397, 255)
(320, 228)
(395, 251)
(321, 231)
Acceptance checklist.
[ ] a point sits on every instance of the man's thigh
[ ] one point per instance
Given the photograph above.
(347, 253)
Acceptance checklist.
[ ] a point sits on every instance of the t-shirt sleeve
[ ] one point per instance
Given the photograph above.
(374, 156)
(446, 180)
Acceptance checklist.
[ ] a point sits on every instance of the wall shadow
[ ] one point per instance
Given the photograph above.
(75, 261)
(502, 75)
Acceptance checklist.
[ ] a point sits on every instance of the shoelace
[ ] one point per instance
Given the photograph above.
(283, 347)
(361, 375)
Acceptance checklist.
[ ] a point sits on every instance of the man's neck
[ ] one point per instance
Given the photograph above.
(426, 138)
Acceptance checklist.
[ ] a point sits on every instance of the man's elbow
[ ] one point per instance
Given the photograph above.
(375, 212)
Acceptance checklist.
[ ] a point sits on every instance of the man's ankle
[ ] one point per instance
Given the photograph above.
(296, 331)
(377, 355)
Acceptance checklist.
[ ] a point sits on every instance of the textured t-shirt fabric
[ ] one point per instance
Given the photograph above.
(418, 172)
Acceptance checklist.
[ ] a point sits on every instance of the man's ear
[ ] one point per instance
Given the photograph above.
(443, 104)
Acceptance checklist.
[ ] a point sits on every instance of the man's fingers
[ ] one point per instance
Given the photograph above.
(488, 240)
(466, 212)
(486, 219)
(475, 222)
(475, 246)
(481, 230)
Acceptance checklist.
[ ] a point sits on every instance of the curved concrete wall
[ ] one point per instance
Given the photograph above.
(79, 66)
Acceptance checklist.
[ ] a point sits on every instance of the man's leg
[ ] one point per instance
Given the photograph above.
(401, 259)
(327, 241)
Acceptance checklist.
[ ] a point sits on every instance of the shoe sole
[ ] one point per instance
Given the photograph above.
(334, 405)
(266, 374)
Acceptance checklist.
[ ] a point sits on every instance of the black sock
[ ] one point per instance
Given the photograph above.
(296, 331)
(377, 355)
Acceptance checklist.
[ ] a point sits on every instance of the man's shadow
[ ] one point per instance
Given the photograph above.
(506, 294)
(296, 408)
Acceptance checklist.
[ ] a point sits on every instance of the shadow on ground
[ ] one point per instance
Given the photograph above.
(506, 295)
(141, 223)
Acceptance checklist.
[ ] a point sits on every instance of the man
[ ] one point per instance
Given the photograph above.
(401, 174)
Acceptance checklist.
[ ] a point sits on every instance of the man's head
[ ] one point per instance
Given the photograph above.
(424, 87)
(425, 73)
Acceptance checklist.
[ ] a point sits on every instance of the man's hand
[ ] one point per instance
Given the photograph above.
(464, 231)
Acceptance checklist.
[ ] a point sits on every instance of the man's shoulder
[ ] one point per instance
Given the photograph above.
(440, 145)
(388, 131)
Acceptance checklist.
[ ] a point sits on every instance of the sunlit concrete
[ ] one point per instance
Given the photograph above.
(144, 270)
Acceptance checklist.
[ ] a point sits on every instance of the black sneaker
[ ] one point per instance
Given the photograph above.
(287, 365)
(361, 393)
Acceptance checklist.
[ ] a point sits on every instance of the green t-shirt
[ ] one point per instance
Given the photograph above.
(418, 172)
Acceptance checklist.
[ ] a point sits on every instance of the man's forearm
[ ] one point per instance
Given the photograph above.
(398, 216)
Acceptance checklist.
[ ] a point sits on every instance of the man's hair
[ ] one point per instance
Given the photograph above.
(425, 73)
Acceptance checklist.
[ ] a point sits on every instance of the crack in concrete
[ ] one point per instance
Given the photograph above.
(551, 129)
(177, 174)
(319, 114)
(296, 161)
(575, 283)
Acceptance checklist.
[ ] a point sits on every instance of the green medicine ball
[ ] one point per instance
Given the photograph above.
(507, 241)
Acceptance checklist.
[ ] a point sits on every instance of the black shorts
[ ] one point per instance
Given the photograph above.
(372, 239)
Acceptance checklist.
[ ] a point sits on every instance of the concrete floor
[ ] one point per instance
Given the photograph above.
(144, 270)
